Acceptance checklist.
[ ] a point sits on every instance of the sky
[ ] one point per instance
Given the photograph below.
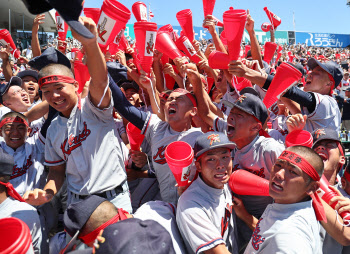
(321, 16)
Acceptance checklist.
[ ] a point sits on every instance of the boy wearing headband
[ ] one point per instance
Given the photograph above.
(290, 224)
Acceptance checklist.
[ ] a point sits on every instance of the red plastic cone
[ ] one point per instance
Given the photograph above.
(223, 38)
(93, 13)
(179, 156)
(274, 19)
(286, 76)
(185, 20)
(234, 21)
(266, 27)
(169, 29)
(113, 19)
(243, 182)
(246, 49)
(218, 60)
(139, 9)
(62, 27)
(5, 38)
(269, 51)
(299, 138)
(208, 8)
(186, 46)
(81, 73)
(167, 46)
(135, 137)
(279, 54)
(239, 83)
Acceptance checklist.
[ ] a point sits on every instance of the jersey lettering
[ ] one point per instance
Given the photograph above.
(16, 171)
(226, 219)
(283, 132)
(259, 172)
(74, 141)
(223, 108)
(160, 157)
(257, 239)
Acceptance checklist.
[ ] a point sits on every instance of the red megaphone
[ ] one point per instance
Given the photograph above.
(93, 13)
(218, 60)
(140, 11)
(279, 54)
(223, 38)
(246, 49)
(239, 83)
(81, 73)
(62, 27)
(135, 137)
(266, 27)
(5, 38)
(185, 20)
(166, 45)
(208, 8)
(243, 182)
(274, 19)
(327, 194)
(169, 29)
(186, 46)
(269, 51)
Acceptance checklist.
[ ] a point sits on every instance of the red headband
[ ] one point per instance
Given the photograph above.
(15, 119)
(305, 166)
(12, 192)
(55, 79)
(188, 94)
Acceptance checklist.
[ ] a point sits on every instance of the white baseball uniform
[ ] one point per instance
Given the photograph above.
(206, 219)
(286, 228)
(230, 96)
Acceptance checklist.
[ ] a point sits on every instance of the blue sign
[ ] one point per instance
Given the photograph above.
(323, 39)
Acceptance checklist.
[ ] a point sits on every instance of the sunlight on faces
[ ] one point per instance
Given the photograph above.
(318, 81)
(215, 167)
(30, 84)
(15, 134)
(17, 99)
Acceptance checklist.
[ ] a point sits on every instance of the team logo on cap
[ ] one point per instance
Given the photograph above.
(101, 29)
(241, 98)
(213, 138)
(319, 133)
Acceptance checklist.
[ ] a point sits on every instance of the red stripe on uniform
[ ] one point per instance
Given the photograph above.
(208, 243)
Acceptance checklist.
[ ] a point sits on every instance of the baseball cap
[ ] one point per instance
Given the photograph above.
(211, 140)
(252, 105)
(347, 89)
(2, 77)
(49, 56)
(129, 85)
(330, 67)
(30, 73)
(14, 81)
(117, 71)
(251, 90)
(136, 236)
(69, 10)
(6, 164)
(299, 67)
(324, 133)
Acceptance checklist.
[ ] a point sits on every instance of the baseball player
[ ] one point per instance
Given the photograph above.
(30, 84)
(81, 143)
(290, 224)
(204, 213)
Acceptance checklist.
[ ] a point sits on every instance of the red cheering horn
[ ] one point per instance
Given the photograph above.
(279, 54)
(239, 83)
(246, 49)
(327, 194)
(286, 76)
(234, 21)
(81, 74)
(5, 38)
(274, 19)
(135, 137)
(93, 13)
(266, 27)
(169, 29)
(186, 46)
(269, 51)
(243, 182)
(62, 27)
(140, 11)
(145, 34)
(218, 60)
(113, 19)
(185, 20)
(299, 138)
(208, 8)
(223, 38)
(167, 46)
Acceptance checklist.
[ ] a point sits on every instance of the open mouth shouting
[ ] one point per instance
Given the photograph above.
(276, 187)
(323, 156)
(230, 130)
(221, 176)
(171, 110)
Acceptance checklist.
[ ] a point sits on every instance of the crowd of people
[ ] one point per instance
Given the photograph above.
(68, 171)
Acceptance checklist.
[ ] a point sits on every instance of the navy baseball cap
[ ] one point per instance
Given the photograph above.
(324, 133)
(14, 81)
(347, 89)
(117, 71)
(129, 85)
(49, 56)
(26, 73)
(136, 236)
(69, 10)
(211, 140)
(6, 164)
(330, 67)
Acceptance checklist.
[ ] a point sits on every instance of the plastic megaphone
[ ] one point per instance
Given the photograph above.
(243, 182)
(274, 19)
(145, 34)
(113, 19)
(185, 20)
(208, 8)
(169, 29)
(279, 53)
(140, 11)
(135, 137)
(269, 51)
(81, 73)
(93, 13)
(299, 138)
(246, 49)
(166, 45)
(239, 83)
(62, 27)
(234, 21)
(5, 39)
(223, 38)
(218, 60)
(266, 27)
(285, 77)
(327, 194)
(179, 156)
(186, 46)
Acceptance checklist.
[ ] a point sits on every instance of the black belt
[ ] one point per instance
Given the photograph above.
(118, 189)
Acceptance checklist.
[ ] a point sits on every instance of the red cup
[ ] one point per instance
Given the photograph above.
(239, 83)
(184, 44)
(274, 19)
(299, 138)
(93, 13)
(140, 11)
(234, 21)
(218, 60)
(135, 137)
(145, 34)
(286, 76)
(266, 27)
(81, 73)
(113, 19)
(179, 156)
(223, 38)
(243, 182)
(269, 51)
(185, 20)
(169, 29)
(62, 27)
(15, 237)
(166, 45)
(5, 38)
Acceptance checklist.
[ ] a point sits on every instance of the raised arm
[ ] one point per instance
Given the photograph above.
(254, 43)
(6, 67)
(210, 23)
(35, 39)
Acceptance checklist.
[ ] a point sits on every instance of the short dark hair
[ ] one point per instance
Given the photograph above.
(54, 68)
(4, 179)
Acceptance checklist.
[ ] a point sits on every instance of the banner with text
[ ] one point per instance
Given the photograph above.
(323, 39)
